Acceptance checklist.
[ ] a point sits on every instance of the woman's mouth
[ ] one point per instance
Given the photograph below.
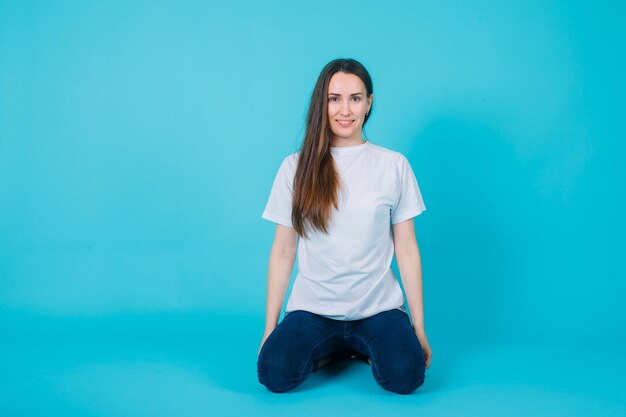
(344, 123)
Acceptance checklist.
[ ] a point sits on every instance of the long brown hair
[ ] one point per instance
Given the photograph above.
(316, 183)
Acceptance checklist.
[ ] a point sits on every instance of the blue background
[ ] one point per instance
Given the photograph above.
(138, 145)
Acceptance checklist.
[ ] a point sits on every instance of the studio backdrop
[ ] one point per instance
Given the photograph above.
(139, 141)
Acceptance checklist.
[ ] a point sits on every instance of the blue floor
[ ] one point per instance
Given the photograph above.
(205, 365)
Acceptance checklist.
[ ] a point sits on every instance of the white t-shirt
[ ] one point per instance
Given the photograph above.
(347, 275)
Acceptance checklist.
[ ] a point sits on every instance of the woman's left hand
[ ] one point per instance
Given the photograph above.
(421, 336)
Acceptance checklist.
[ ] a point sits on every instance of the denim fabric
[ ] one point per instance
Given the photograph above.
(295, 347)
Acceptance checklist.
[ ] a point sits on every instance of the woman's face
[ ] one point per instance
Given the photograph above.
(347, 105)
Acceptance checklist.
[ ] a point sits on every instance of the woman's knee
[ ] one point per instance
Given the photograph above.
(287, 357)
(277, 372)
(401, 377)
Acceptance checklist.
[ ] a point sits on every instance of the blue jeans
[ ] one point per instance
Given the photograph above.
(295, 347)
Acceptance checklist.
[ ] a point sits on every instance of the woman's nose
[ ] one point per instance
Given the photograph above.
(345, 109)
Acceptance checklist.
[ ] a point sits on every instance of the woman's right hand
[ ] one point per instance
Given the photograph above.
(265, 336)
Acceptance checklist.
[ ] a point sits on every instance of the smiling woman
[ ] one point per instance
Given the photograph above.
(348, 106)
(345, 206)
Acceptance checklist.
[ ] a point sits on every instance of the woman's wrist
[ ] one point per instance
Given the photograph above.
(419, 329)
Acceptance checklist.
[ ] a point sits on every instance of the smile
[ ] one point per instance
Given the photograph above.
(345, 123)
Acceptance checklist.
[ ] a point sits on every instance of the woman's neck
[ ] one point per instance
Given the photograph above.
(343, 142)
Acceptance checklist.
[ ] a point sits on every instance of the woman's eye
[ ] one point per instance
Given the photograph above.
(356, 98)
(332, 99)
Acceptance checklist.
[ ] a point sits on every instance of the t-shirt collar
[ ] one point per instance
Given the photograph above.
(343, 150)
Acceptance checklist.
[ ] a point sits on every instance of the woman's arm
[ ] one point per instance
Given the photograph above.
(410, 266)
(282, 258)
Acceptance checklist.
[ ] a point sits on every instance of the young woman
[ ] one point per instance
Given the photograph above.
(345, 206)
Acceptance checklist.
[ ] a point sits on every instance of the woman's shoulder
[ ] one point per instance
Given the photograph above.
(388, 154)
(292, 157)
(290, 162)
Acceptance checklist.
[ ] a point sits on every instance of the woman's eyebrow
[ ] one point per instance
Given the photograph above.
(337, 94)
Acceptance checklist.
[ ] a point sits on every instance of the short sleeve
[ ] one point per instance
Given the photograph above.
(278, 208)
(409, 202)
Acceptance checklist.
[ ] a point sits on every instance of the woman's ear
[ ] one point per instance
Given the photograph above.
(370, 99)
